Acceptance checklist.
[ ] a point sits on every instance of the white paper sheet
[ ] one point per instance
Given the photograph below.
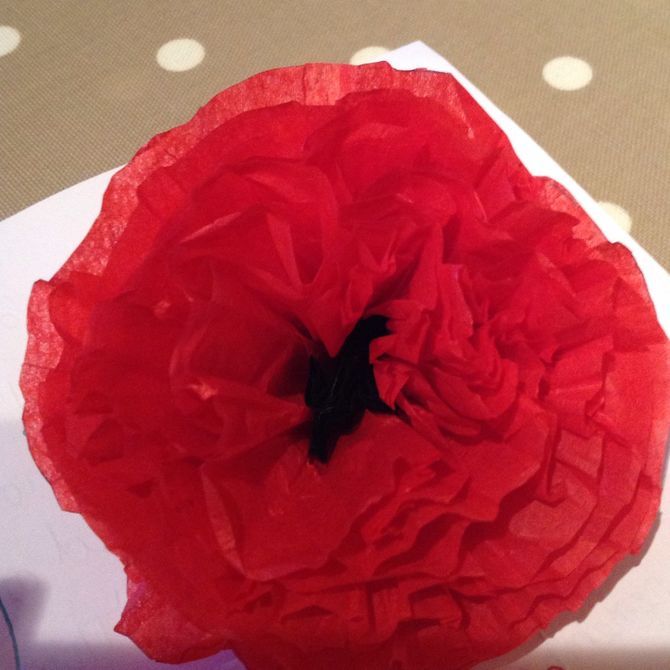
(64, 592)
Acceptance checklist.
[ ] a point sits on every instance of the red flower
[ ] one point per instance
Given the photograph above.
(506, 448)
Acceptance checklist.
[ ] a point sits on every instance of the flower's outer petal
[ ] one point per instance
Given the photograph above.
(158, 628)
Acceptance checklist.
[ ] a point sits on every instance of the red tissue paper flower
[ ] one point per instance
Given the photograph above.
(343, 385)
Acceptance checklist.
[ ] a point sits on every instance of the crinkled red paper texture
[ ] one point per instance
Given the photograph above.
(168, 358)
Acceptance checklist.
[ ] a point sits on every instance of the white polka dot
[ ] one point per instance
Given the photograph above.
(619, 214)
(567, 73)
(180, 55)
(368, 55)
(9, 39)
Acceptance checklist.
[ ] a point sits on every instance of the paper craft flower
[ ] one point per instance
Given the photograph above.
(343, 385)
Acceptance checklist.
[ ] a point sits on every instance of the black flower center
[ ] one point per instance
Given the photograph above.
(340, 389)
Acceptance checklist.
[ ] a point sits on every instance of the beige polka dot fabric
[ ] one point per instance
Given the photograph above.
(84, 84)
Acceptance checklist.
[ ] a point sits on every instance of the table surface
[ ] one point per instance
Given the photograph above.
(84, 84)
